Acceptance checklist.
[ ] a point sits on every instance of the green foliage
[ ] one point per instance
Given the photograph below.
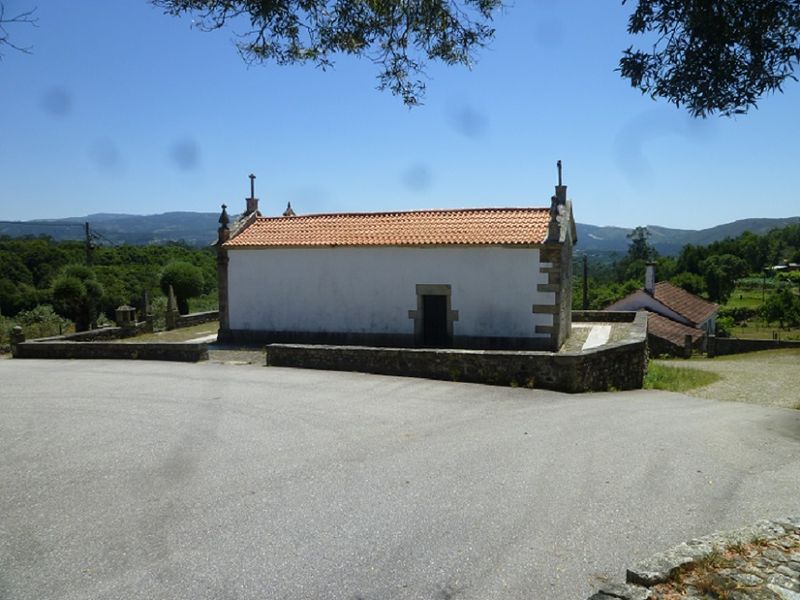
(186, 281)
(792, 278)
(690, 282)
(41, 321)
(640, 252)
(738, 314)
(676, 379)
(639, 248)
(77, 296)
(725, 326)
(713, 56)
(29, 265)
(399, 37)
(602, 295)
(782, 306)
(721, 272)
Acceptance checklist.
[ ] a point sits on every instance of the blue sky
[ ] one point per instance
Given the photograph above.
(123, 109)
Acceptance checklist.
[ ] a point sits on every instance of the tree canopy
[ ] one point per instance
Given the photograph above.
(186, 281)
(708, 56)
(399, 37)
(77, 295)
(713, 55)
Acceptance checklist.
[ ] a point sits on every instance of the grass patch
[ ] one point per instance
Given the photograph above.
(676, 379)
(784, 356)
(182, 334)
(745, 298)
(756, 329)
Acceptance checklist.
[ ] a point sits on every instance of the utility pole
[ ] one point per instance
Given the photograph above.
(88, 244)
(585, 282)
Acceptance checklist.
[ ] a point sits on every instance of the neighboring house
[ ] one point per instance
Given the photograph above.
(468, 278)
(675, 313)
(786, 267)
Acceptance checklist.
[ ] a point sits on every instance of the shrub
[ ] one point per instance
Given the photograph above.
(186, 281)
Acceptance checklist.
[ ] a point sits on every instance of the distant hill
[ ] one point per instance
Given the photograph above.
(592, 238)
(196, 229)
(200, 229)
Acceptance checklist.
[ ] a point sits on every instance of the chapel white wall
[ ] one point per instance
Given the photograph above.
(371, 290)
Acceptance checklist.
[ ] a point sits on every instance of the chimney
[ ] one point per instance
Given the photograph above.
(252, 201)
(561, 190)
(650, 278)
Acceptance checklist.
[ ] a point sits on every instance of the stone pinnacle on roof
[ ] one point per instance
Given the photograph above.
(223, 233)
(289, 212)
(557, 204)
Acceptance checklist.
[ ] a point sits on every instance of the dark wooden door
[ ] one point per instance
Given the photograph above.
(434, 320)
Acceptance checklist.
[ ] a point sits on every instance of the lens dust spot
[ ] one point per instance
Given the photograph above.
(418, 178)
(469, 122)
(57, 101)
(106, 156)
(185, 154)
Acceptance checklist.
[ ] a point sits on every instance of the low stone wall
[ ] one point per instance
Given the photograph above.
(721, 346)
(618, 366)
(196, 318)
(104, 333)
(603, 316)
(768, 568)
(181, 352)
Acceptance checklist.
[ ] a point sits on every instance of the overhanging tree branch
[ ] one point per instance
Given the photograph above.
(24, 18)
(399, 36)
(714, 56)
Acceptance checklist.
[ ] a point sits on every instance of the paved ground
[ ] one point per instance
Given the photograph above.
(770, 378)
(152, 480)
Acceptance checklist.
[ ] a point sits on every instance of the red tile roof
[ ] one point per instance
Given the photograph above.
(475, 226)
(670, 330)
(686, 304)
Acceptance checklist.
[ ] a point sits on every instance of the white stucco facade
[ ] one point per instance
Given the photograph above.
(371, 290)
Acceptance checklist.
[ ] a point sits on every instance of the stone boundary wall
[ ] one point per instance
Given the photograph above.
(103, 333)
(181, 352)
(721, 346)
(662, 567)
(618, 366)
(603, 316)
(196, 318)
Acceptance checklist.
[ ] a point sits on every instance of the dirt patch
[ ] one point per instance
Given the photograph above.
(237, 356)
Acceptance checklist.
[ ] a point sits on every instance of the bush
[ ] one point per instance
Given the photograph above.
(186, 280)
(738, 315)
(42, 321)
(724, 326)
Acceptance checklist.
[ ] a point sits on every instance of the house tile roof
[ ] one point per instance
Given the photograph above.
(478, 226)
(686, 304)
(670, 330)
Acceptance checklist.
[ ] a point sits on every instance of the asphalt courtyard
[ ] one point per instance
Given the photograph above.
(147, 480)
